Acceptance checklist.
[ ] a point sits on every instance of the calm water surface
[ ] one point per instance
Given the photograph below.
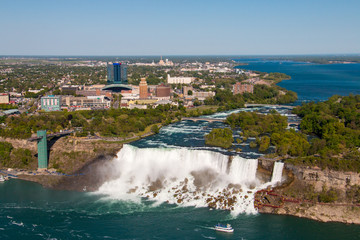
(313, 82)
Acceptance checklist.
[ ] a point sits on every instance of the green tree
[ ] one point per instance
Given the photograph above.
(220, 138)
(5, 151)
(155, 129)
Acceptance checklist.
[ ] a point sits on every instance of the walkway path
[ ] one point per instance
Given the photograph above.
(268, 105)
(195, 119)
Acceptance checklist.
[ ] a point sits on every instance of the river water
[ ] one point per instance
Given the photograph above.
(184, 174)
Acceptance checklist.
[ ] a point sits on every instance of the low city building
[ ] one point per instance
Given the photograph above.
(203, 95)
(135, 90)
(138, 106)
(162, 92)
(187, 90)
(240, 88)
(11, 112)
(92, 102)
(93, 90)
(142, 101)
(50, 103)
(179, 80)
(207, 86)
(4, 98)
(196, 94)
(35, 90)
(70, 89)
(164, 102)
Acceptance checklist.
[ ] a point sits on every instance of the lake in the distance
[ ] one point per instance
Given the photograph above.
(313, 82)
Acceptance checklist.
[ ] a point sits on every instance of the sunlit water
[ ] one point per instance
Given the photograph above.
(313, 82)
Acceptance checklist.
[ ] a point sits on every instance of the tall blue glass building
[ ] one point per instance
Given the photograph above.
(117, 73)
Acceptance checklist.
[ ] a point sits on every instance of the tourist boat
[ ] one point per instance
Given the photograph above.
(2, 179)
(223, 228)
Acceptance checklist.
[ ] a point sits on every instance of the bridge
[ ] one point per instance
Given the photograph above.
(268, 105)
(294, 123)
(59, 134)
(42, 145)
(195, 119)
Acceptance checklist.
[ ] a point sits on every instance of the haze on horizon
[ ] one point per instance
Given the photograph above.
(188, 27)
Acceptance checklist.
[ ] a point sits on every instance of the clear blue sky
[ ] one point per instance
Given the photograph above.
(179, 27)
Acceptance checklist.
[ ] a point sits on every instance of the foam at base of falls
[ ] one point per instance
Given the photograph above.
(181, 176)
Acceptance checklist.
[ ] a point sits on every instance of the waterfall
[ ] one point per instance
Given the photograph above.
(182, 176)
(243, 170)
(277, 172)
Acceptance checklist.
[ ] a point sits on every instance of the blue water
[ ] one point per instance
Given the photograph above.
(190, 134)
(28, 211)
(313, 82)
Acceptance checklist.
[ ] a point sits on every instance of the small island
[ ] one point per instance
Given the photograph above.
(220, 138)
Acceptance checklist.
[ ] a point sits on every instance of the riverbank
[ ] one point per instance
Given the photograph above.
(301, 190)
(334, 212)
(89, 175)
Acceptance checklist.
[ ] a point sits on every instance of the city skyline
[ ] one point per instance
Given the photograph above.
(179, 28)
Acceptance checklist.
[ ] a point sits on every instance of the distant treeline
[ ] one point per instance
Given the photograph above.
(262, 94)
(321, 59)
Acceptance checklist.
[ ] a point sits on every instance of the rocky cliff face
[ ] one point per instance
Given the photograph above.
(67, 154)
(305, 185)
(322, 213)
(20, 143)
(318, 177)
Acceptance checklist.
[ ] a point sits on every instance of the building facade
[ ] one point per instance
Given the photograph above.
(162, 91)
(93, 90)
(203, 95)
(4, 98)
(117, 73)
(179, 80)
(196, 94)
(51, 103)
(94, 102)
(240, 88)
(69, 89)
(143, 89)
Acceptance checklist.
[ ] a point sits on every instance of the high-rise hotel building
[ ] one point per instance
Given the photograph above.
(117, 73)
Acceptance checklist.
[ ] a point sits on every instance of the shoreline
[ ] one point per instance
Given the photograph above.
(347, 213)
(90, 177)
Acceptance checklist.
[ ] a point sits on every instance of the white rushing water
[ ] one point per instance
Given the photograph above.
(277, 172)
(186, 177)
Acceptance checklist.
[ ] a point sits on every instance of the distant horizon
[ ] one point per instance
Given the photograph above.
(190, 55)
(161, 27)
